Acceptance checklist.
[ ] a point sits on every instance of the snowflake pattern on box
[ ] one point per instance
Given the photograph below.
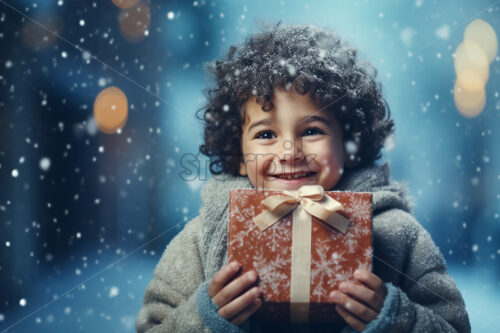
(334, 255)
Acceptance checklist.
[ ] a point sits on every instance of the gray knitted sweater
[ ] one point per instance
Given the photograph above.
(422, 297)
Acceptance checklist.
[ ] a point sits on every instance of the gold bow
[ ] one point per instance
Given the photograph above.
(309, 200)
(314, 201)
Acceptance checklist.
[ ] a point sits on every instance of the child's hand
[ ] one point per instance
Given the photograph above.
(233, 306)
(359, 305)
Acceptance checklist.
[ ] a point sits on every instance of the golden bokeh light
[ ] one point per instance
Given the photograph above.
(481, 33)
(470, 103)
(471, 65)
(110, 110)
(135, 22)
(124, 4)
(37, 38)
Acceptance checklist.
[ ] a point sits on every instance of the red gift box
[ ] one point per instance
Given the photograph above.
(333, 252)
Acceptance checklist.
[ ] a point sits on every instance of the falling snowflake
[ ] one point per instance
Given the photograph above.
(113, 292)
(44, 163)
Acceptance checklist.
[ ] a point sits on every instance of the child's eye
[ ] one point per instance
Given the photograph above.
(313, 131)
(264, 135)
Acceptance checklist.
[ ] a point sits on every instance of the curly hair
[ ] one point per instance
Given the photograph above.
(311, 61)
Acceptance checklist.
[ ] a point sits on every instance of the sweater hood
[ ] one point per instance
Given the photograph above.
(387, 193)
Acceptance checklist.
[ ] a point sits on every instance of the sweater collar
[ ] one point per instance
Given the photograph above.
(365, 179)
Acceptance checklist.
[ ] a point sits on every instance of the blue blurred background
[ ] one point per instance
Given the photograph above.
(81, 232)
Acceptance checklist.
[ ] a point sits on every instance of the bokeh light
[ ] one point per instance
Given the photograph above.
(472, 60)
(481, 33)
(42, 35)
(135, 22)
(124, 4)
(469, 103)
(471, 65)
(110, 110)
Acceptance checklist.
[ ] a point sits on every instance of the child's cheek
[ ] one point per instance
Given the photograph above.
(268, 165)
(265, 165)
(258, 166)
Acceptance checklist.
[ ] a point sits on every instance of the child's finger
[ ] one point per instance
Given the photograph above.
(371, 280)
(354, 322)
(247, 312)
(234, 288)
(364, 294)
(221, 277)
(359, 310)
(237, 305)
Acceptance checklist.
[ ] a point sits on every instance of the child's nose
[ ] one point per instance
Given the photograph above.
(291, 150)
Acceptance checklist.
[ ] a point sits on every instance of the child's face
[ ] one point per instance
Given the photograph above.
(294, 137)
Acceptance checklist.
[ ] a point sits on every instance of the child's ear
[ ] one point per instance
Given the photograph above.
(243, 169)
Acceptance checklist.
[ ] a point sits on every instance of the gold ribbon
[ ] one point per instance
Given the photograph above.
(307, 201)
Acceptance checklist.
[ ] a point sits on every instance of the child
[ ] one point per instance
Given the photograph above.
(293, 106)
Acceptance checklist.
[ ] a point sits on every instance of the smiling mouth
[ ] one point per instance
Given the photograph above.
(292, 176)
